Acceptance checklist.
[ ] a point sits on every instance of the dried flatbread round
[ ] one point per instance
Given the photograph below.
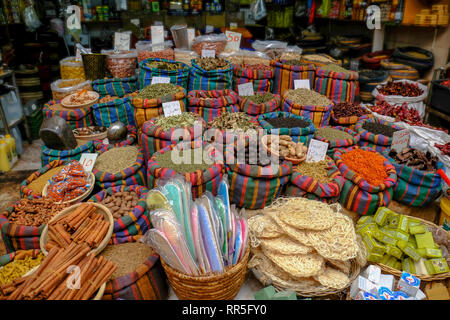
(263, 226)
(285, 245)
(343, 266)
(296, 234)
(298, 265)
(302, 213)
(333, 278)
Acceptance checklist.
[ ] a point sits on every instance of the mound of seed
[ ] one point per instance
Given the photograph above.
(165, 65)
(185, 119)
(305, 97)
(335, 68)
(182, 161)
(39, 183)
(157, 90)
(281, 122)
(294, 62)
(316, 170)
(331, 134)
(116, 159)
(261, 98)
(378, 128)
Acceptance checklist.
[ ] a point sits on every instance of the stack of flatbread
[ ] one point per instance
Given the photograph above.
(305, 245)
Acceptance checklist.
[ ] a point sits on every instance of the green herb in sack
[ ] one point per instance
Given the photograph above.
(182, 161)
(236, 121)
(165, 65)
(305, 97)
(335, 68)
(293, 62)
(157, 90)
(185, 119)
(331, 134)
(261, 98)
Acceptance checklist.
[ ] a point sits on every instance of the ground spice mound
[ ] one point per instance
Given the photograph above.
(367, 164)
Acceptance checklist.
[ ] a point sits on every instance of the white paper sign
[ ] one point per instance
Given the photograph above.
(105, 141)
(160, 80)
(317, 151)
(233, 40)
(136, 22)
(158, 23)
(400, 140)
(87, 160)
(246, 89)
(209, 29)
(208, 53)
(233, 25)
(171, 108)
(157, 33)
(301, 83)
(122, 41)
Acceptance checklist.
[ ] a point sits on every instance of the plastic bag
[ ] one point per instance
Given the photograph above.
(264, 45)
(63, 87)
(258, 10)
(184, 56)
(121, 64)
(145, 50)
(292, 53)
(70, 68)
(30, 18)
(216, 42)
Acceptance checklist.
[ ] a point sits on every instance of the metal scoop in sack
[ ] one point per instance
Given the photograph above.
(57, 134)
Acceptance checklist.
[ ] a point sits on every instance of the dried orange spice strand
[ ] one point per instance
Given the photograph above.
(369, 165)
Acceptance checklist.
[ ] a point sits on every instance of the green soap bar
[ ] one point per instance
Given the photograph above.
(421, 251)
(424, 240)
(403, 223)
(384, 237)
(400, 235)
(412, 242)
(394, 251)
(265, 294)
(365, 220)
(417, 229)
(433, 253)
(388, 231)
(393, 220)
(373, 246)
(402, 244)
(285, 295)
(429, 267)
(385, 259)
(381, 216)
(367, 228)
(410, 251)
(440, 265)
(398, 266)
(408, 266)
(374, 257)
(391, 262)
(412, 223)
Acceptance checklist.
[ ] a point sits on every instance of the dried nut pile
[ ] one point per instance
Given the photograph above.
(157, 90)
(88, 131)
(212, 63)
(121, 203)
(122, 64)
(162, 54)
(34, 212)
(415, 159)
(305, 97)
(285, 147)
(217, 46)
(236, 121)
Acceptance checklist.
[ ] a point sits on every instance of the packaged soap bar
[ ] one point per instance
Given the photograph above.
(373, 246)
(385, 259)
(433, 253)
(391, 262)
(394, 251)
(439, 265)
(384, 237)
(385, 294)
(393, 220)
(398, 266)
(365, 296)
(366, 228)
(408, 265)
(409, 284)
(420, 267)
(403, 223)
(387, 280)
(365, 220)
(381, 216)
(401, 235)
(362, 284)
(372, 273)
(417, 229)
(408, 249)
(399, 295)
(424, 240)
(374, 257)
(388, 231)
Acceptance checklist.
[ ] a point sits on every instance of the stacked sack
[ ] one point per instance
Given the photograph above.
(177, 72)
(337, 83)
(259, 103)
(287, 71)
(420, 59)
(115, 86)
(210, 74)
(260, 75)
(398, 71)
(210, 104)
(120, 109)
(75, 117)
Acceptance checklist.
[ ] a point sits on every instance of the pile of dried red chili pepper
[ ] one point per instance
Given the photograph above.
(445, 148)
(405, 89)
(446, 83)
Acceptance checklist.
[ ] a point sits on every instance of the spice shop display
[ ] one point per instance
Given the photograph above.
(418, 58)
(259, 74)
(285, 74)
(177, 72)
(15, 267)
(399, 243)
(260, 103)
(121, 64)
(337, 83)
(202, 259)
(210, 74)
(34, 184)
(70, 68)
(336, 137)
(306, 246)
(216, 42)
(308, 104)
(210, 104)
(145, 51)
(375, 133)
(64, 87)
(369, 179)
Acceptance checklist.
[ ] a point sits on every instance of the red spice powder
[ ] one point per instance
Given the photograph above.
(367, 164)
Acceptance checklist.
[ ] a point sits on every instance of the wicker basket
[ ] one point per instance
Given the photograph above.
(437, 277)
(224, 286)
(94, 65)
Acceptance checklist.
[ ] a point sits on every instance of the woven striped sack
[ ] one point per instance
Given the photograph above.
(48, 155)
(368, 80)
(253, 186)
(153, 138)
(337, 86)
(378, 142)
(255, 109)
(119, 109)
(130, 140)
(201, 79)
(262, 79)
(357, 194)
(147, 282)
(76, 118)
(25, 191)
(416, 188)
(337, 144)
(310, 188)
(285, 74)
(373, 60)
(298, 134)
(115, 86)
(179, 77)
(211, 104)
(398, 71)
(136, 222)
(127, 177)
(320, 115)
(349, 122)
(147, 109)
(200, 180)
(9, 257)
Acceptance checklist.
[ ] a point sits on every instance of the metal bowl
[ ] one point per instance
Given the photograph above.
(117, 131)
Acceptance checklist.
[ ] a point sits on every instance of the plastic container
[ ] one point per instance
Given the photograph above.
(184, 56)
(71, 69)
(5, 157)
(444, 219)
(145, 50)
(64, 87)
(11, 142)
(121, 64)
(12, 107)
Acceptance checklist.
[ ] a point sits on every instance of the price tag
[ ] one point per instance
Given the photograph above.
(246, 89)
(78, 54)
(87, 160)
(233, 40)
(233, 25)
(208, 53)
(122, 41)
(160, 80)
(400, 140)
(171, 108)
(136, 22)
(105, 141)
(209, 29)
(157, 38)
(301, 83)
(317, 151)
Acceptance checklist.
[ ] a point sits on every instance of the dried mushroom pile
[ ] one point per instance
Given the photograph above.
(415, 159)
(305, 245)
(212, 63)
(236, 121)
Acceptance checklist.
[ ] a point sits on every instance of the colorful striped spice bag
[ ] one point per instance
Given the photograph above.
(260, 75)
(285, 74)
(115, 86)
(337, 83)
(177, 72)
(75, 117)
(211, 104)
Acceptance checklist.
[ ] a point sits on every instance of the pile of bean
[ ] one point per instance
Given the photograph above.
(335, 68)
(281, 122)
(127, 257)
(258, 67)
(305, 97)
(348, 109)
(378, 128)
(34, 212)
(157, 90)
(236, 121)
(185, 119)
(116, 159)
(415, 159)
(165, 65)
(162, 54)
(21, 264)
(316, 170)
(404, 89)
(121, 203)
(38, 184)
(259, 98)
(186, 160)
(286, 147)
(331, 134)
(121, 64)
(294, 62)
(212, 63)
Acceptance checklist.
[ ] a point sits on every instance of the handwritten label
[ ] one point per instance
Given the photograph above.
(171, 108)
(122, 41)
(233, 40)
(160, 80)
(246, 89)
(209, 29)
(301, 83)
(208, 53)
(136, 22)
(233, 25)
(317, 151)
(87, 160)
(157, 33)
(400, 140)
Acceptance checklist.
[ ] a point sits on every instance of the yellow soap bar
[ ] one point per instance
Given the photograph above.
(374, 257)
(384, 237)
(394, 251)
(408, 266)
(373, 246)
